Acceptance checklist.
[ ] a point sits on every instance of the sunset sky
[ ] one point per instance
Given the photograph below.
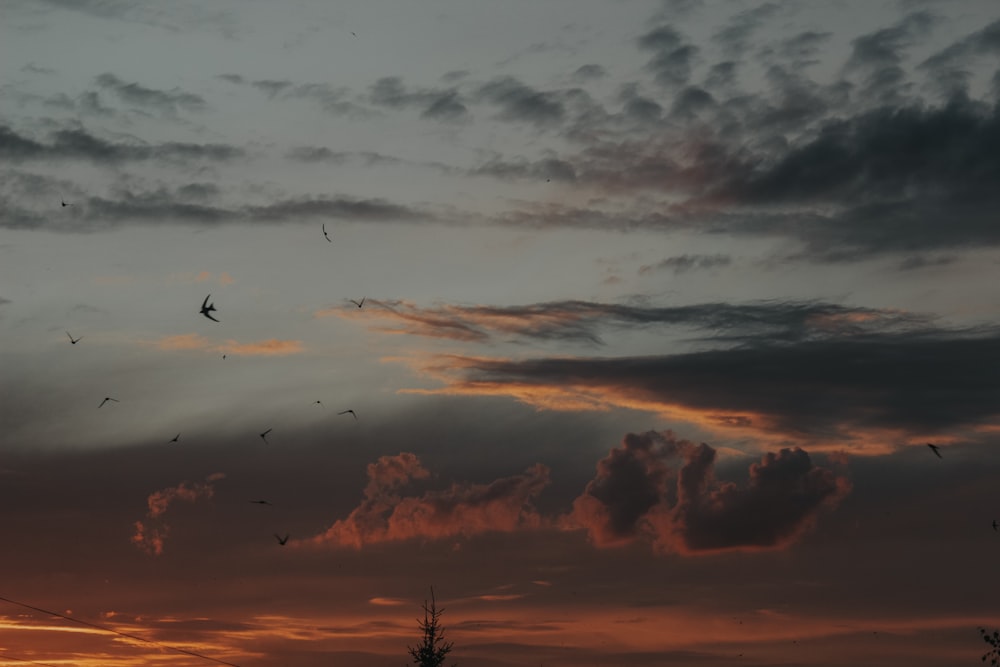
(662, 302)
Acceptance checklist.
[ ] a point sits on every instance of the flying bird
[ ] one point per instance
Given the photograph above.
(106, 399)
(995, 525)
(176, 438)
(207, 308)
(263, 436)
(935, 450)
(64, 203)
(281, 540)
(72, 340)
(260, 502)
(350, 411)
(358, 303)
(318, 402)
(325, 234)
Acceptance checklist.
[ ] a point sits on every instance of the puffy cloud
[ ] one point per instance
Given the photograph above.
(503, 505)
(660, 487)
(151, 534)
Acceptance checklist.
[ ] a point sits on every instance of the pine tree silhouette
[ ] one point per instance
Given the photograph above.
(993, 655)
(432, 650)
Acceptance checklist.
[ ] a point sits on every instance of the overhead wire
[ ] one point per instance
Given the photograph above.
(127, 635)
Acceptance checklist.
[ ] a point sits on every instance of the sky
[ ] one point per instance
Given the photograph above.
(644, 311)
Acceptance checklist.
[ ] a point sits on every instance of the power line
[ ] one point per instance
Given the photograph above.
(4, 656)
(118, 632)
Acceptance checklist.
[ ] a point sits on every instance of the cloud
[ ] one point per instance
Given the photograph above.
(267, 348)
(519, 102)
(950, 67)
(672, 58)
(735, 36)
(824, 391)
(640, 492)
(439, 104)
(184, 206)
(684, 263)
(589, 72)
(151, 534)
(463, 509)
(81, 145)
(169, 102)
(549, 168)
(581, 321)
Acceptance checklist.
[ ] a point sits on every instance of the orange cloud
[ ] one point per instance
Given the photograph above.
(463, 509)
(150, 535)
(191, 342)
(269, 347)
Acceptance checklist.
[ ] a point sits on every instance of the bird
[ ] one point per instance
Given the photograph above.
(263, 436)
(358, 303)
(346, 411)
(325, 234)
(281, 540)
(176, 438)
(72, 340)
(64, 203)
(995, 527)
(106, 399)
(260, 502)
(223, 357)
(207, 308)
(935, 450)
(318, 402)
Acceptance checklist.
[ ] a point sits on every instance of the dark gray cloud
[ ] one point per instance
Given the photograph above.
(509, 170)
(589, 72)
(167, 101)
(32, 68)
(950, 68)
(439, 104)
(672, 58)
(802, 48)
(81, 145)
(913, 382)
(639, 491)
(684, 263)
(735, 36)
(583, 320)
(271, 87)
(879, 57)
(519, 102)
(193, 203)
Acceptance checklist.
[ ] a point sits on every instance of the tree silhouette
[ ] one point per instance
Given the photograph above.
(993, 655)
(432, 650)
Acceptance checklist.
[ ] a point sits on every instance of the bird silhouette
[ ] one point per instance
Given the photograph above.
(318, 403)
(995, 527)
(935, 450)
(358, 303)
(263, 436)
(207, 308)
(64, 203)
(176, 438)
(106, 399)
(325, 234)
(72, 340)
(350, 411)
(260, 502)
(281, 540)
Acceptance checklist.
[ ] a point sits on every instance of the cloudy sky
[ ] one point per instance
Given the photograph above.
(662, 302)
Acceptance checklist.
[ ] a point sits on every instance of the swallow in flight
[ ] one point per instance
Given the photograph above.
(207, 308)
